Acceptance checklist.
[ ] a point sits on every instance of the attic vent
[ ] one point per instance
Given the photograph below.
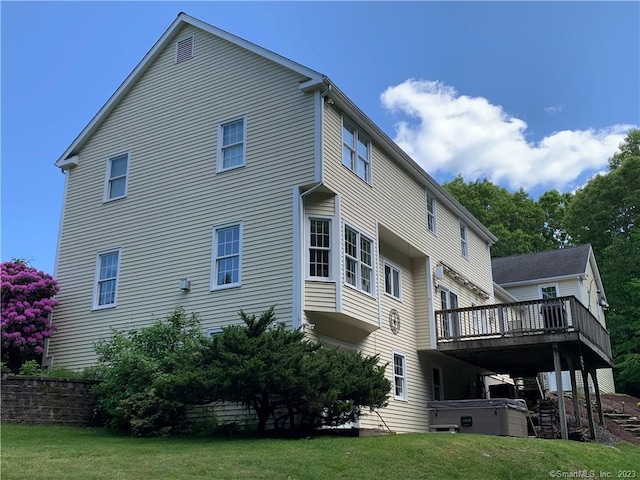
(184, 49)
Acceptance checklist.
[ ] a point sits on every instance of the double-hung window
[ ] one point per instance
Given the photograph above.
(399, 376)
(548, 291)
(227, 253)
(231, 144)
(392, 280)
(319, 247)
(464, 240)
(117, 169)
(431, 212)
(358, 260)
(106, 283)
(356, 151)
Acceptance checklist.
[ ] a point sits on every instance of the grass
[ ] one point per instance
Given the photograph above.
(47, 452)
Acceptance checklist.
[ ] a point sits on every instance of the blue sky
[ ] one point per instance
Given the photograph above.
(536, 94)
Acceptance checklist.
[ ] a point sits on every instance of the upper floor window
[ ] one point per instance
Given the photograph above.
(399, 376)
(356, 151)
(431, 212)
(184, 49)
(392, 280)
(106, 282)
(231, 144)
(227, 252)
(319, 247)
(464, 240)
(358, 260)
(117, 169)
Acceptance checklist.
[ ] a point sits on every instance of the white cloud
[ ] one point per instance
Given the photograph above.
(453, 133)
(554, 109)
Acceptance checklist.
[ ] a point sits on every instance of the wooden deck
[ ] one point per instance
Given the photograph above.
(518, 338)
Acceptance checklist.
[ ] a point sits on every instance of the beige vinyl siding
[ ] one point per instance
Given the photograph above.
(359, 305)
(321, 204)
(421, 304)
(168, 122)
(398, 202)
(320, 296)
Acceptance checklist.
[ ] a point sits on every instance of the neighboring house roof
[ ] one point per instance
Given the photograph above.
(315, 80)
(532, 267)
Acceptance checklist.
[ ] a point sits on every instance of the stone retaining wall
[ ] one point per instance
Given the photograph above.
(52, 401)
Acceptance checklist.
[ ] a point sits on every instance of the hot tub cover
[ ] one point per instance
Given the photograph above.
(517, 404)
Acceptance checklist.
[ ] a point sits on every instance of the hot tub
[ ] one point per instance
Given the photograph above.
(495, 416)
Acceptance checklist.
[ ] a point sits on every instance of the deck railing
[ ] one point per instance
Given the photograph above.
(534, 317)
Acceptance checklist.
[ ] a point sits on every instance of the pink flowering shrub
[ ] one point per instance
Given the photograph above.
(26, 304)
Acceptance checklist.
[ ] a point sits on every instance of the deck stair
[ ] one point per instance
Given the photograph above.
(548, 412)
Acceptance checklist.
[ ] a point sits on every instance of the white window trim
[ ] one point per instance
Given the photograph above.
(193, 46)
(357, 134)
(433, 384)
(434, 215)
(214, 256)
(464, 240)
(219, 162)
(107, 176)
(96, 279)
(308, 247)
(392, 266)
(358, 267)
(404, 397)
(547, 285)
(450, 321)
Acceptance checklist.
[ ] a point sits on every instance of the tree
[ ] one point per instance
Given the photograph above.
(136, 366)
(605, 214)
(27, 302)
(291, 380)
(521, 224)
(554, 205)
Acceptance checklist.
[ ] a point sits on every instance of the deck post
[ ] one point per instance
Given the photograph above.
(574, 392)
(561, 409)
(587, 397)
(594, 377)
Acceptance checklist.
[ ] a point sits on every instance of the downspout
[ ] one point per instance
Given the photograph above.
(298, 240)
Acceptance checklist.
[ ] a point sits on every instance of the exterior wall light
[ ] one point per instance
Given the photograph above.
(185, 284)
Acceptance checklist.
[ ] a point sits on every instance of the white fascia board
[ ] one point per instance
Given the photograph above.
(537, 281)
(396, 153)
(596, 272)
(181, 20)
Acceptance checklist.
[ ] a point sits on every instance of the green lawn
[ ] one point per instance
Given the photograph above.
(35, 452)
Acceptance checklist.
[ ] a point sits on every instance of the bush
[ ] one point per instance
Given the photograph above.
(27, 301)
(30, 368)
(135, 367)
(289, 379)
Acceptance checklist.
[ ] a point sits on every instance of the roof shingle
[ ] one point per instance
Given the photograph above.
(540, 265)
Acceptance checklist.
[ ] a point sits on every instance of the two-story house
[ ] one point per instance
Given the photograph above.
(221, 176)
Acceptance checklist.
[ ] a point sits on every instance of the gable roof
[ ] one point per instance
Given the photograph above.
(531, 267)
(314, 80)
(181, 20)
